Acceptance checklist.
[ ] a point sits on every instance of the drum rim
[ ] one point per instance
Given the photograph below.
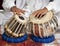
(14, 40)
(43, 40)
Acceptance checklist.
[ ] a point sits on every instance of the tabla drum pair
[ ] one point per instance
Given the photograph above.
(42, 27)
(39, 27)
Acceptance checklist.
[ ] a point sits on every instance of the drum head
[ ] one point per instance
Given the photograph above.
(21, 19)
(44, 19)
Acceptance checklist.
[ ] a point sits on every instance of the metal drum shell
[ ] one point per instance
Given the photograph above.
(39, 25)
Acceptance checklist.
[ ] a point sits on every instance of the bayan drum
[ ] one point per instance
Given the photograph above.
(43, 28)
(16, 26)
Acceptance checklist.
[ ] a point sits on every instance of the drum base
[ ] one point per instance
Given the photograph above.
(48, 39)
(14, 40)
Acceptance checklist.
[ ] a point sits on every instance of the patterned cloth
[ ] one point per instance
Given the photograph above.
(28, 42)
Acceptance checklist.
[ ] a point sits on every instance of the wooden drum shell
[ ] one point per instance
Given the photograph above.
(16, 26)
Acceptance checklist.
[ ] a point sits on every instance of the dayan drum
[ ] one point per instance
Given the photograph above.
(45, 26)
(16, 26)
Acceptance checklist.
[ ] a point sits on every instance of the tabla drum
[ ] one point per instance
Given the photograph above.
(16, 26)
(45, 26)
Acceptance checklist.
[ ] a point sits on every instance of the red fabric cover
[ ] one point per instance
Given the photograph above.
(28, 42)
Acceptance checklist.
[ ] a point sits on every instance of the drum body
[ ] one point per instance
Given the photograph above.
(45, 26)
(16, 26)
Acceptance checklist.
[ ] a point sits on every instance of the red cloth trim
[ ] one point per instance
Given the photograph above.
(28, 42)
